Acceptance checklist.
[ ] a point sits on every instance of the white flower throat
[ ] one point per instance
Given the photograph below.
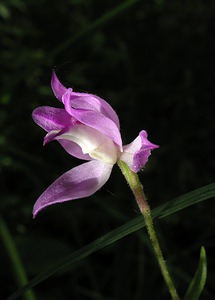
(92, 142)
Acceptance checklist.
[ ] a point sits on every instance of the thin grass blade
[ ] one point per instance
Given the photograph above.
(93, 25)
(197, 284)
(137, 223)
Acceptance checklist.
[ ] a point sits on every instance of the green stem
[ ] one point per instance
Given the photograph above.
(12, 252)
(137, 189)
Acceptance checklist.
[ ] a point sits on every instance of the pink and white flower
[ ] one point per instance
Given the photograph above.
(87, 128)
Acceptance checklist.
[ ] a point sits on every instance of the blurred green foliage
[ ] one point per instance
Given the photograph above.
(153, 61)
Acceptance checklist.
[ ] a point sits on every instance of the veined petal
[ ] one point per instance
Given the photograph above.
(51, 118)
(57, 87)
(95, 120)
(136, 154)
(79, 182)
(82, 100)
(95, 103)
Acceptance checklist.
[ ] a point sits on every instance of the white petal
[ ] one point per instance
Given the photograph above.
(92, 142)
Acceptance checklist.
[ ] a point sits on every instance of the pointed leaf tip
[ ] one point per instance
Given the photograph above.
(198, 282)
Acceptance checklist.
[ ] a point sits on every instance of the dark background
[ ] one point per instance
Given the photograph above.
(154, 63)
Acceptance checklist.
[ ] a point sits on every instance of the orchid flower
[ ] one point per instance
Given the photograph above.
(87, 128)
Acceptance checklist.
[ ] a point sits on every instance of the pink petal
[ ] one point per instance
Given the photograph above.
(136, 154)
(93, 102)
(50, 118)
(101, 123)
(95, 120)
(83, 100)
(91, 141)
(71, 147)
(74, 149)
(56, 121)
(57, 87)
(79, 182)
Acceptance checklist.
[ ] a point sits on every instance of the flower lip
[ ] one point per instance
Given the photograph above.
(136, 154)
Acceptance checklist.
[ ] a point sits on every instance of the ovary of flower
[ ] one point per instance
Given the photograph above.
(92, 142)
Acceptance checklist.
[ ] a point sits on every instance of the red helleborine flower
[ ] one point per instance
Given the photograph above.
(87, 128)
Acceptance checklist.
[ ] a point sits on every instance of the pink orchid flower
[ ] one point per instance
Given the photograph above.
(87, 128)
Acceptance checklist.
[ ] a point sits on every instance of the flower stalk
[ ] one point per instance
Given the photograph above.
(137, 189)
